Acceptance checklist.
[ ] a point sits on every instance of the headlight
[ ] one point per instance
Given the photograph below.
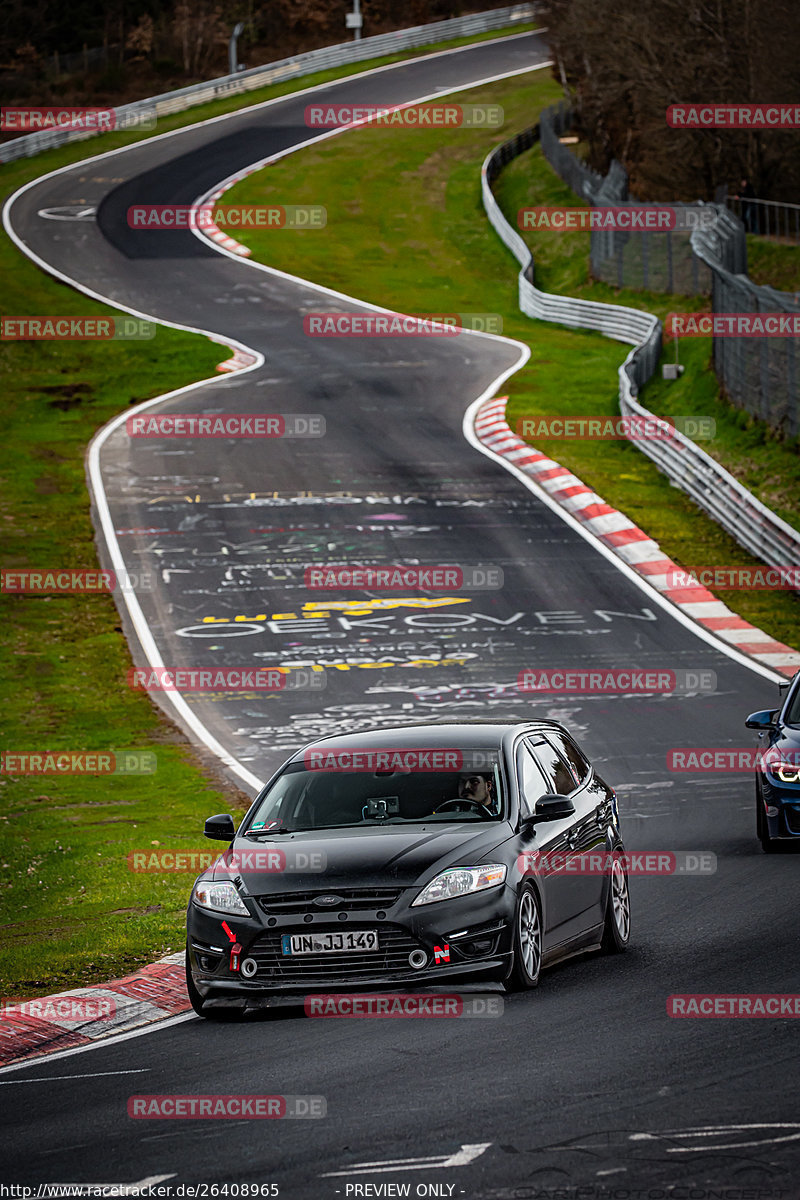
(460, 881)
(221, 897)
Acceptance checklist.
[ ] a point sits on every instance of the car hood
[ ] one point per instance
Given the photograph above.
(317, 860)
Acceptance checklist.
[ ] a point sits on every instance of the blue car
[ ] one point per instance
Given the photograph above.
(778, 771)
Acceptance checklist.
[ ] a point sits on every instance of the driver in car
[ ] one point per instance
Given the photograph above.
(477, 790)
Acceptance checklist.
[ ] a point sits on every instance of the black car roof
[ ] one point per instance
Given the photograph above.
(431, 735)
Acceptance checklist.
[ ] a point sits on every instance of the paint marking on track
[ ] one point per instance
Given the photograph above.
(187, 716)
(46, 1190)
(717, 1131)
(462, 1157)
(46, 1059)
(88, 1075)
(68, 212)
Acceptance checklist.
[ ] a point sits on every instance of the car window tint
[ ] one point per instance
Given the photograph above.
(568, 750)
(557, 773)
(792, 709)
(533, 783)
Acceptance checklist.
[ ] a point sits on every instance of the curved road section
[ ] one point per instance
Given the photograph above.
(585, 1083)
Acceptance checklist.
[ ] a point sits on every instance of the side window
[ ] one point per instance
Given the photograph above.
(531, 779)
(575, 760)
(559, 777)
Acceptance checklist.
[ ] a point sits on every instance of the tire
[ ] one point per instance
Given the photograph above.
(768, 844)
(527, 952)
(617, 925)
(196, 1001)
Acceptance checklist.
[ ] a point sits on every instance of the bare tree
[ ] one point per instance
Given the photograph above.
(623, 63)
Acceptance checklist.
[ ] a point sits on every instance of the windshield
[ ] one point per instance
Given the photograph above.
(793, 711)
(321, 793)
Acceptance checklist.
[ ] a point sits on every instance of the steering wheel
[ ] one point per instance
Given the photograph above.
(475, 805)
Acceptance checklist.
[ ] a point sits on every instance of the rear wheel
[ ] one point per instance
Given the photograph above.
(527, 954)
(617, 927)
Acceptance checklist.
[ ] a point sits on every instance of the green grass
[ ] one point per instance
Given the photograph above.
(406, 230)
(745, 447)
(71, 912)
(774, 263)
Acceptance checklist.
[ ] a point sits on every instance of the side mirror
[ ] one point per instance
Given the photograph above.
(550, 807)
(765, 719)
(220, 828)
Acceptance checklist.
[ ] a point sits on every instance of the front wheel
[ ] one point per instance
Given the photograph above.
(195, 999)
(617, 927)
(527, 953)
(768, 844)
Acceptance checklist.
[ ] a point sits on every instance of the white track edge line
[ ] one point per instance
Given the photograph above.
(135, 612)
(150, 1027)
(628, 571)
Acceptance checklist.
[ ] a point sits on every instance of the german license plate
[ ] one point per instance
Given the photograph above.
(351, 941)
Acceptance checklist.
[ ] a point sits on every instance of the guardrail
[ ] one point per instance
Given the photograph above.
(728, 502)
(129, 115)
(768, 218)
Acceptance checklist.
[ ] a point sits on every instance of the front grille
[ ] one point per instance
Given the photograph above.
(391, 958)
(353, 900)
(792, 819)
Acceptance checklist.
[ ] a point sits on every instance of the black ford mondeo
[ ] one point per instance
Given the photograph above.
(413, 856)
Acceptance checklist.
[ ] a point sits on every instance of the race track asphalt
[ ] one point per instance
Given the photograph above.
(586, 1081)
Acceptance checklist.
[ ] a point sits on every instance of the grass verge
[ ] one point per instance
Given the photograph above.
(71, 910)
(406, 230)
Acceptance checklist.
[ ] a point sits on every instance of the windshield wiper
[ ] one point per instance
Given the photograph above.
(254, 833)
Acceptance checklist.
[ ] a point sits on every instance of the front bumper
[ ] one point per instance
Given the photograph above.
(780, 808)
(469, 937)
